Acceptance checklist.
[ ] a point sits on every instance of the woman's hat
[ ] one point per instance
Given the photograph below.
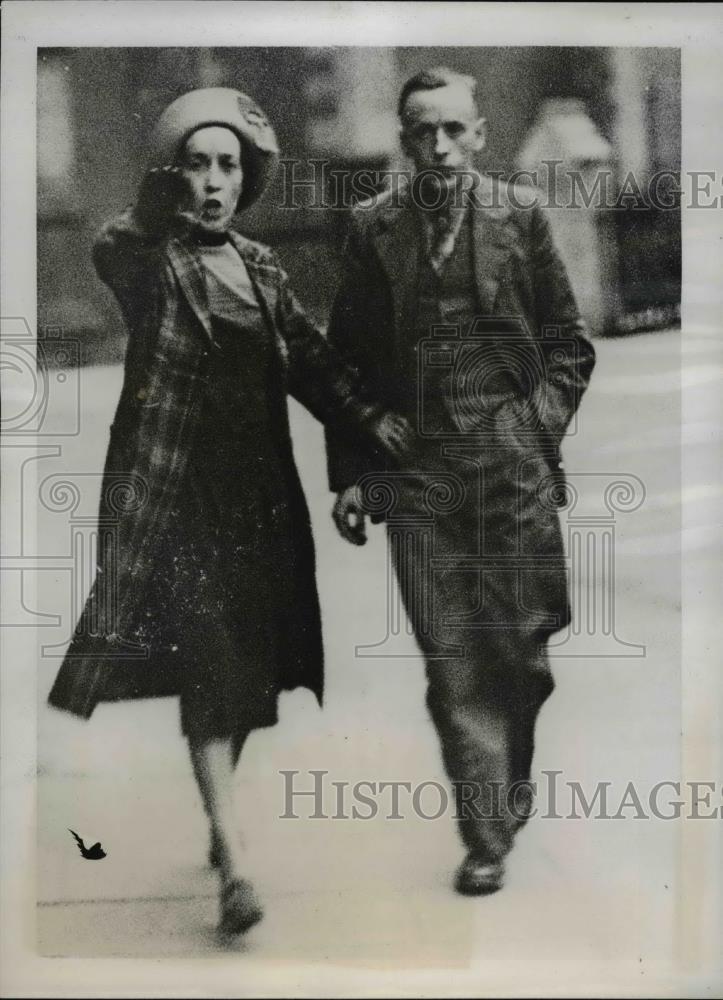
(231, 109)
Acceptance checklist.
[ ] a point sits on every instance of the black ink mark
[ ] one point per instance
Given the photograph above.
(94, 853)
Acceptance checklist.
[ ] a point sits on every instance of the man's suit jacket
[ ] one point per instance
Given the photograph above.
(520, 281)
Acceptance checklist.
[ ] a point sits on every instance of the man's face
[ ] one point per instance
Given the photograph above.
(442, 130)
(211, 164)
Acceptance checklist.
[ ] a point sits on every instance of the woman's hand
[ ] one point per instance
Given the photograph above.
(164, 200)
(392, 433)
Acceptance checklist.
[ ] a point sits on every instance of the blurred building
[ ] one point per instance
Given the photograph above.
(337, 106)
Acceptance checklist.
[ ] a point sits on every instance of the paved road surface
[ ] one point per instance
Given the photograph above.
(376, 894)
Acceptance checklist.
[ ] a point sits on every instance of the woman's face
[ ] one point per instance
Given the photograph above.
(211, 163)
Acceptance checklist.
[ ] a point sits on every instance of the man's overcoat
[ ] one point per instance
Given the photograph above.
(510, 411)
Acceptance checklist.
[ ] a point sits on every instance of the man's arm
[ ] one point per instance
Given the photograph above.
(568, 356)
(327, 387)
(349, 334)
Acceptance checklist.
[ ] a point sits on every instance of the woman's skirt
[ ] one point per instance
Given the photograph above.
(224, 607)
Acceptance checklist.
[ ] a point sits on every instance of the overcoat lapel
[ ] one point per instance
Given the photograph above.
(493, 239)
(397, 241)
(191, 282)
(265, 280)
(263, 277)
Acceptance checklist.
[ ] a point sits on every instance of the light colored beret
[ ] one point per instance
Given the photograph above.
(219, 106)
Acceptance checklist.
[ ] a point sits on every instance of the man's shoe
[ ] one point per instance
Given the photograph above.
(240, 908)
(476, 877)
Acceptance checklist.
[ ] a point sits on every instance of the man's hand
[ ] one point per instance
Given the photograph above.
(164, 201)
(349, 518)
(393, 434)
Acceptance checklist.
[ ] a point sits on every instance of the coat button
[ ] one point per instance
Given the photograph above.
(142, 394)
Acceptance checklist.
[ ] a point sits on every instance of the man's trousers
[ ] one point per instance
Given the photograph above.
(483, 582)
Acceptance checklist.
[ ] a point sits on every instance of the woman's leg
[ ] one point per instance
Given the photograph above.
(214, 763)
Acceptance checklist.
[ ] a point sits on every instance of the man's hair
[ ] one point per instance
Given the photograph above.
(433, 79)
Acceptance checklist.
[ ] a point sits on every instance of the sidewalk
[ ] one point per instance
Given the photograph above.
(378, 892)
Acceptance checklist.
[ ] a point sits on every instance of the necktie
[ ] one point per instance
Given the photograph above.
(442, 241)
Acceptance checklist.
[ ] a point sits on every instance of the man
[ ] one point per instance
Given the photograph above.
(454, 307)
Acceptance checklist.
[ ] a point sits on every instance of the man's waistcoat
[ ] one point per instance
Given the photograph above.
(440, 309)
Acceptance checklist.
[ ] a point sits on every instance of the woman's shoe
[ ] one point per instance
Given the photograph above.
(240, 907)
(477, 877)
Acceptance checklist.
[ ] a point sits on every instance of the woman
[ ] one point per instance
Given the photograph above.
(205, 585)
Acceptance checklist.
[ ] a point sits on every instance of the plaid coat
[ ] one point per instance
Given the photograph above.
(161, 291)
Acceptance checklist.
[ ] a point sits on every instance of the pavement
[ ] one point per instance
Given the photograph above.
(374, 894)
